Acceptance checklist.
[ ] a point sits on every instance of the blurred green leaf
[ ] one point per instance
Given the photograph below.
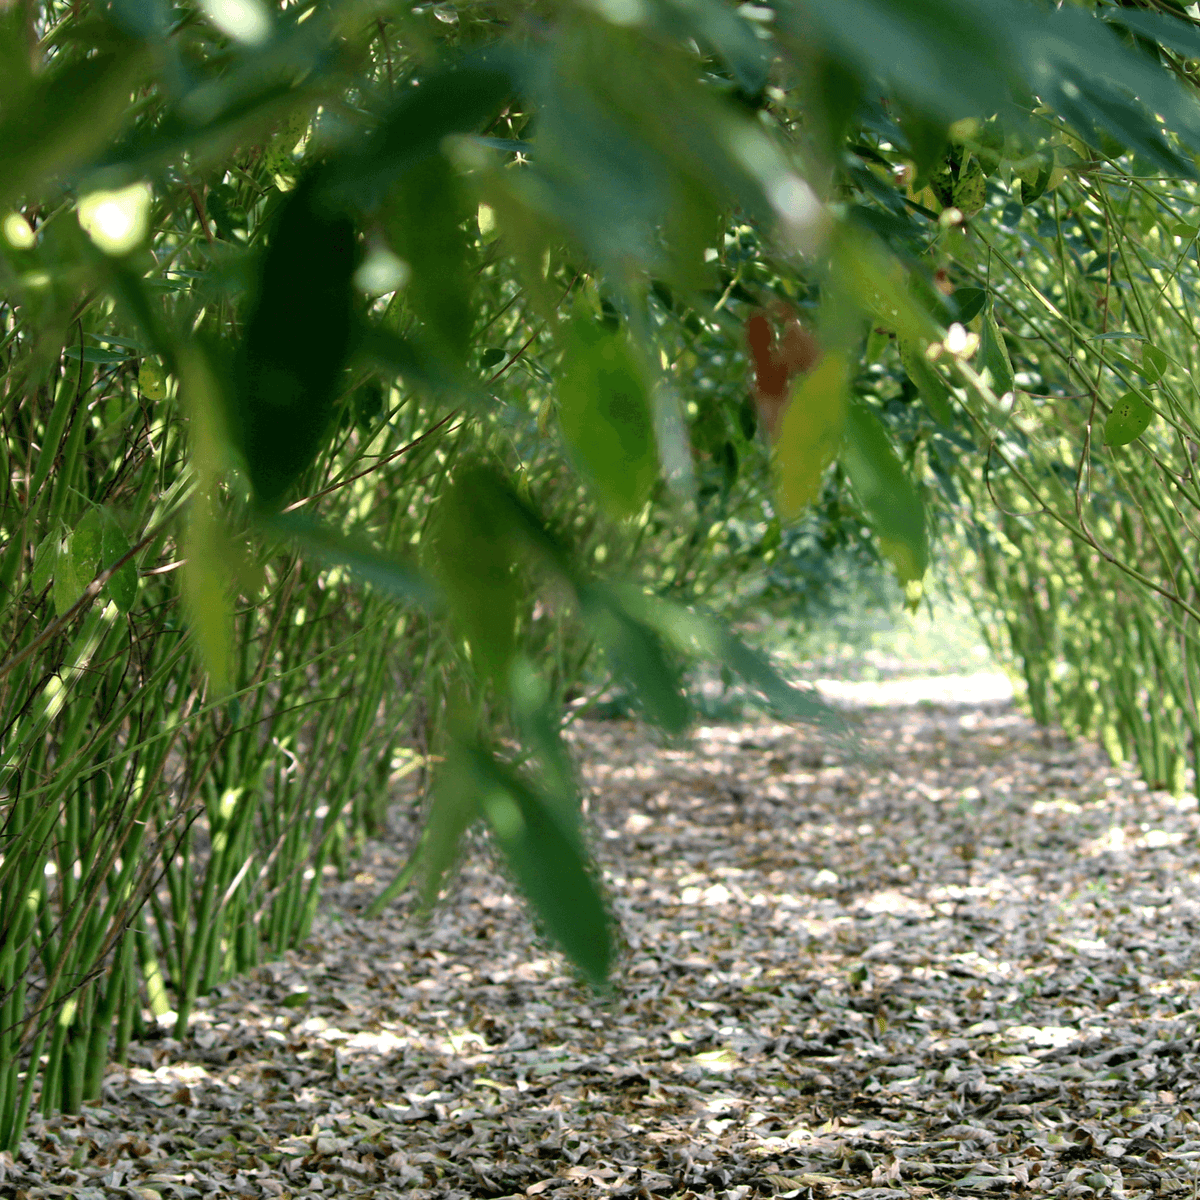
(472, 556)
(913, 44)
(545, 853)
(460, 98)
(298, 336)
(605, 414)
(540, 839)
(424, 215)
(454, 808)
(727, 32)
(702, 635)
(540, 721)
(1180, 36)
(928, 382)
(333, 549)
(64, 117)
(809, 435)
(888, 496)
(636, 654)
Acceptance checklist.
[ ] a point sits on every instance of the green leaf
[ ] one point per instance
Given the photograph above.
(473, 558)
(44, 562)
(460, 98)
(298, 336)
(699, 634)
(636, 653)
(65, 588)
(454, 808)
(1129, 419)
(1154, 363)
(424, 216)
(969, 302)
(75, 562)
(333, 549)
(64, 117)
(545, 853)
(1034, 181)
(993, 355)
(927, 381)
(809, 435)
(606, 418)
(122, 587)
(97, 354)
(886, 493)
(86, 544)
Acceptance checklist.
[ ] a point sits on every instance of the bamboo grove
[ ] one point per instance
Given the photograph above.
(375, 387)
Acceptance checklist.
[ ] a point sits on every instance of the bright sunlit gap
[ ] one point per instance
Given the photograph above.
(246, 21)
(116, 221)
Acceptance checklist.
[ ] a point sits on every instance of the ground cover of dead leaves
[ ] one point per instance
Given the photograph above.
(960, 963)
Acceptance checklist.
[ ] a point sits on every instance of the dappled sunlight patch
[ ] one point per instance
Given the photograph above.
(895, 903)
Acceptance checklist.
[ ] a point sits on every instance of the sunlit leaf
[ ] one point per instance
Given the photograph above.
(809, 435)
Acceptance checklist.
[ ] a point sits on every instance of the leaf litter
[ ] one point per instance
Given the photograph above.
(962, 962)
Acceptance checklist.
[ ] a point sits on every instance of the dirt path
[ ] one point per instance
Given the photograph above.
(963, 963)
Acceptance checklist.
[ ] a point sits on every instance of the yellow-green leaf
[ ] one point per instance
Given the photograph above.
(152, 380)
(970, 191)
(810, 435)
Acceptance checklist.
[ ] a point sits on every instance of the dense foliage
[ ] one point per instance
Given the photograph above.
(367, 367)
